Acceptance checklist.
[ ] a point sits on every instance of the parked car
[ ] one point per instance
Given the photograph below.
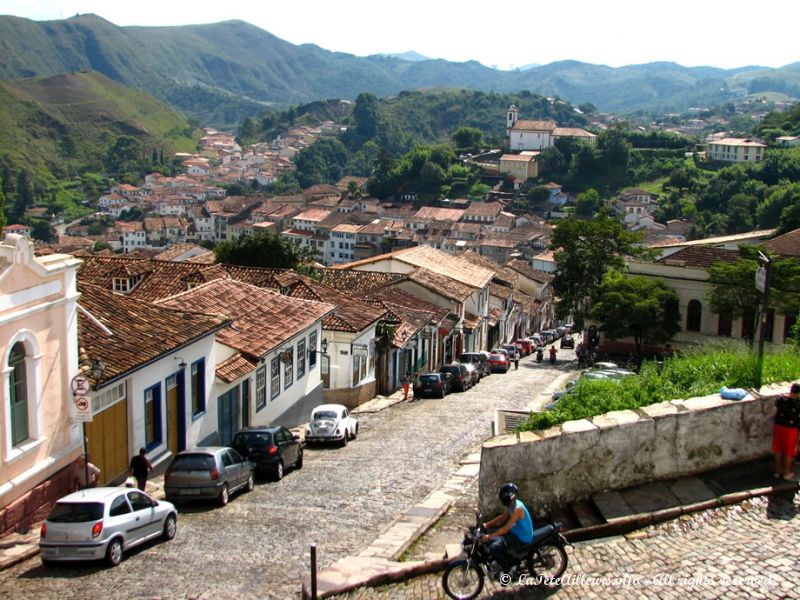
(103, 523)
(462, 377)
(525, 346)
(433, 384)
(331, 423)
(479, 359)
(272, 450)
(502, 351)
(474, 374)
(499, 363)
(512, 350)
(207, 473)
(568, 341)
(536, 340)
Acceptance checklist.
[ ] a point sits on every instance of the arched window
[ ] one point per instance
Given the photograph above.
(693, 313)
(18, 387)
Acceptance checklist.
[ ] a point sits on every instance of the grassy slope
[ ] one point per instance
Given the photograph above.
(87, 108)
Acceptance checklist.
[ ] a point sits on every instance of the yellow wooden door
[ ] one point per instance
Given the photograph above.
(172, 414)
(108, 442)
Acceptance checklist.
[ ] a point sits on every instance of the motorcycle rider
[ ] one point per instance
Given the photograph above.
(553, 354)
(514, 528)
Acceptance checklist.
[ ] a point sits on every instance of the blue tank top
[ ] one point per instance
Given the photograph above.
(523, 528)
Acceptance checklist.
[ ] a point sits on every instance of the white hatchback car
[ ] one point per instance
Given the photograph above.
(331, 423)
(104, 522)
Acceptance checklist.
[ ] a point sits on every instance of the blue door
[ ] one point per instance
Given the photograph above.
(228, 415)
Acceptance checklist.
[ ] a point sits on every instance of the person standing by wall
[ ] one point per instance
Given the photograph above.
(406, 382)
(140, 468)
(785, 432)
(87, 475)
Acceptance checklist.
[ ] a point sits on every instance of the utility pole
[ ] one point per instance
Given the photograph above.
(762, 284)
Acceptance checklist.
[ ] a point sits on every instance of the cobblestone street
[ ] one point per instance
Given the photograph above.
(343, 498)
(748, 550)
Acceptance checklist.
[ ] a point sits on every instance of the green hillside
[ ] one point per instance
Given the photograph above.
(220, 73)
(66, 123)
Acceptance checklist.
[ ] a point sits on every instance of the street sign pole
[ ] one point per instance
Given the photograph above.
(83, 412)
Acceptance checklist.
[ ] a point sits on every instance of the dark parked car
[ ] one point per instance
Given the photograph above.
(270, 449)
(568, 341)
(498, 363)
(479, 359)
(462, 378)
(208, 473)
(433, 384)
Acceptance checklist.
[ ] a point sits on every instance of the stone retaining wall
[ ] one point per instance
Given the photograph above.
(624, 448)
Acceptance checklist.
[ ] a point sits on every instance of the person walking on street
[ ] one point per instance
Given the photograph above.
(415, 384)
(516, 360)
(785, 432)
(406, 382)
(140, 468)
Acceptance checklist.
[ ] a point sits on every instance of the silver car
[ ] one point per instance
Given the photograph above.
(207, 473)
(99, 523)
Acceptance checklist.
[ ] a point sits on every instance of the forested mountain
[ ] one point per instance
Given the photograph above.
(221, 72)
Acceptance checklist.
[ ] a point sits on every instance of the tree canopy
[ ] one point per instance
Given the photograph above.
(263, 250)
(584, 252)
(643, 308)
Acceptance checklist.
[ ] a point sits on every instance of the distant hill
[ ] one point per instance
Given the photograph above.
(219, 73)
(65, 123)
(410, 56)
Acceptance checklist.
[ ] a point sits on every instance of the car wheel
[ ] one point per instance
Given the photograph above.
(344, 439)
(248, 487)
(48, 563)
(114, 552)
(355, 433)
(170, 527)
(279, 471)
(442, 394)
(299, 463)
(223, 495)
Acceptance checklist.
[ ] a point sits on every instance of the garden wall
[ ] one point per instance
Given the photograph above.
(619, 449)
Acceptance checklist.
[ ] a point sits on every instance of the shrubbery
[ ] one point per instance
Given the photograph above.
(696, 373)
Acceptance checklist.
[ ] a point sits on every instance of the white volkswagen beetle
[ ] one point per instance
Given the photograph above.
(331, 423)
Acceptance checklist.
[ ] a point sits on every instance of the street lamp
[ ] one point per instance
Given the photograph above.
(323, 345)
(96, 368)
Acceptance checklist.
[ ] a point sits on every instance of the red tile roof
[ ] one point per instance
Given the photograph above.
(787, 244)
(126, 333)
(262, 319)
(699, 257)
(233, 368)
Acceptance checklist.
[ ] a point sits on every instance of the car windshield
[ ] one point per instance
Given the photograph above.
(192, 462)
(76, 512)
(325, 414)
(496, 357)
(429, 378)
(251, 438)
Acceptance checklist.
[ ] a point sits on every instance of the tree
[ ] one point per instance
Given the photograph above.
(586, 203)
(584, 251)
(643, 308)
(43, 231)
(468, 139)
(262, 250)
(733, 292)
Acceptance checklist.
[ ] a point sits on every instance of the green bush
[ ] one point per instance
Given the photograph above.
(696, 373)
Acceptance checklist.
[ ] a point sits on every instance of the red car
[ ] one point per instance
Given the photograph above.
(498, 363)
(525, 346)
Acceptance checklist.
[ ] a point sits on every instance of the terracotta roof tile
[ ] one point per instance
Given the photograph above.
(356, 283)
(233, 368)
(787, 244)
(699, 257)
(262, 319)
(446, 264)
(140, 331)
(441, 284)
(160, 278)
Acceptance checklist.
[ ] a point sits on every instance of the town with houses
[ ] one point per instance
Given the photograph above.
(182, 351)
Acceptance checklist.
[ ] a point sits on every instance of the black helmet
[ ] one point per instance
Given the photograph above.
(508, 493)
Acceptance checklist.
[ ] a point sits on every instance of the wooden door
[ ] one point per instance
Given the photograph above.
(108, 442)
(173, 415)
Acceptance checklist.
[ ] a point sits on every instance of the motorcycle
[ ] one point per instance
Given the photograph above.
(541, 562)
(552, 355)
(539, 355)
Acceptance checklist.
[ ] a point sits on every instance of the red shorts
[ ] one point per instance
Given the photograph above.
(784, 440)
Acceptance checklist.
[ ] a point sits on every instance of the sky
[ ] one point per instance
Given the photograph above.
(718, 33)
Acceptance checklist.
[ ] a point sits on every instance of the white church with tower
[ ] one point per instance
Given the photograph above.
(523, 134)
